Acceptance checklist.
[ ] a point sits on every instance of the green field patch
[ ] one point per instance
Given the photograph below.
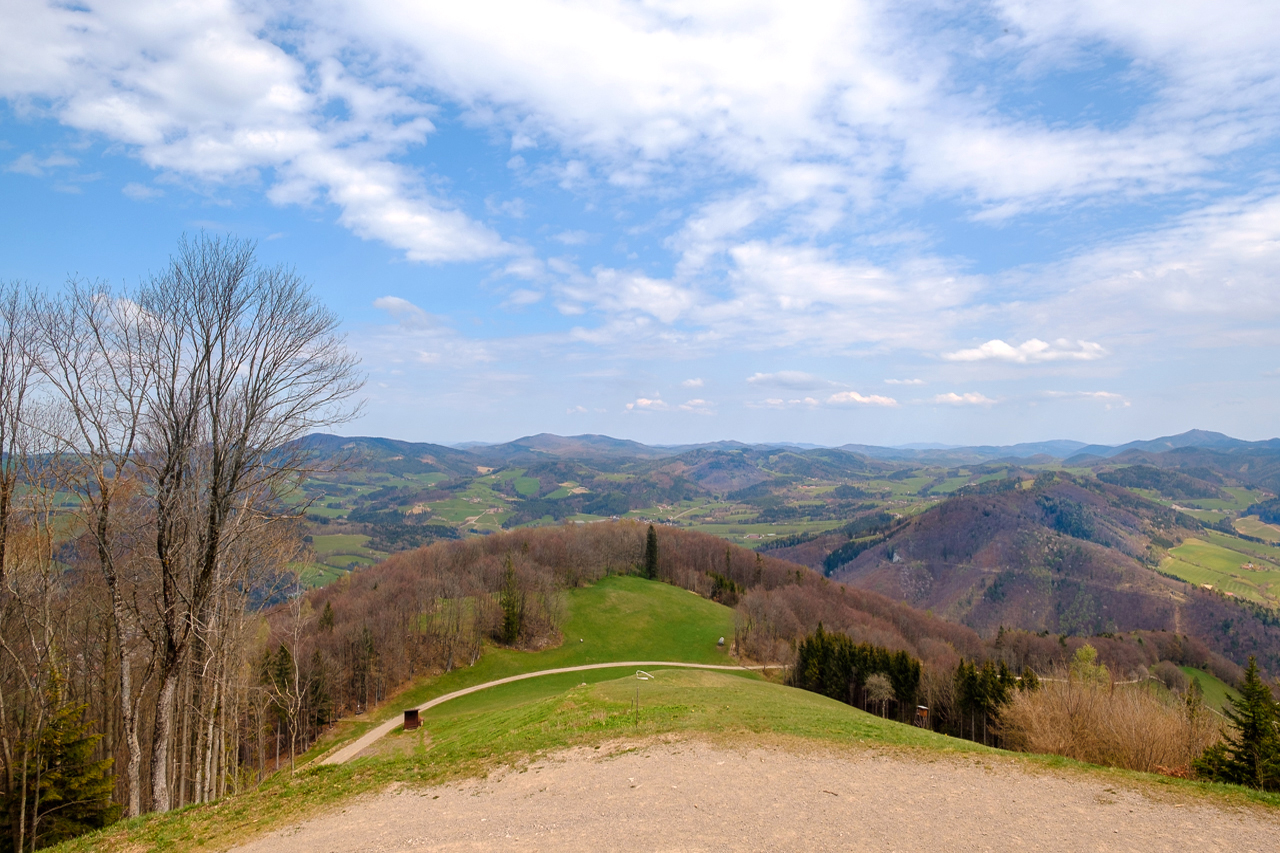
(338, 542)
(1201, 562)
(1251, 525)
(526, 487)
(1216, 692)
(312, 575)
(1253, 551)
(1240, 498)
(346, 562)
(1208, 516)
(950, 484)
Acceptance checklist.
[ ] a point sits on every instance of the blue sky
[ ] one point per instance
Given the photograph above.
(844, 222)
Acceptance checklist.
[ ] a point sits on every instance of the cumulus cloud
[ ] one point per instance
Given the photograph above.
(972, 398)
(843, 397)
(692, 383)
(648, 404)
(656, 404)
(1030, 352)
(788, 379)
(790, 147)
(212, 93)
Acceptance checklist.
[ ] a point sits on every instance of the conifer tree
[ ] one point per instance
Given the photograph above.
(512, 602)
(68, 793)
(651, 554)
(1251, 754)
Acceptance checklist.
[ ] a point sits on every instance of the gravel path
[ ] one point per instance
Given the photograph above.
(690, 795)
(369, 738)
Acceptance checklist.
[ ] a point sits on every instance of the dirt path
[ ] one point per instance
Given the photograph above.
(368, 739)
(694, 796)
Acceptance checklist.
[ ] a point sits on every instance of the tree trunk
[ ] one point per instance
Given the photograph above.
(161, 739)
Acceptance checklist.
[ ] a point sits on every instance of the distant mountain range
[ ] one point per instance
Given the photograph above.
(602, 447)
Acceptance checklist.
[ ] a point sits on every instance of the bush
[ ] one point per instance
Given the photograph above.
(1172, 677)
(1118, 725)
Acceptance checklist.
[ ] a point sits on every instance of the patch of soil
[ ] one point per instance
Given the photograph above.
(692, 795)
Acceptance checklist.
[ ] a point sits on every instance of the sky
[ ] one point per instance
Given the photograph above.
(878, 223)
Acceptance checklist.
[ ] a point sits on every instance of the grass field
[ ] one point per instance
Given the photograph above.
(1216, 692)
(1251, 525)
(618, 618)
(1217, 560)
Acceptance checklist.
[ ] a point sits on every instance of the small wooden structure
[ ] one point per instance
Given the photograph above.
(922, 717)
(411, 720)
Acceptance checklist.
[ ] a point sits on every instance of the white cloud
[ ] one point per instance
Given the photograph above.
(788, 379)
(1110, 398)
(142, 192)
(648, 404)
(29, 164)
(403, 311)
(904, 382)
(572, 238)
(843, 397)
(656, 404)
(205, 92)
(971, 398)
(1031, 351)
(692, 383)
(700, 407)
(522, 297)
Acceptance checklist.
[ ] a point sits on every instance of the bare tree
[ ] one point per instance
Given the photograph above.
(95, 355)
(248, 362)
(17, 370)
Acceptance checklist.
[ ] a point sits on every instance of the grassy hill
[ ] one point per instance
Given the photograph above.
(617, 618)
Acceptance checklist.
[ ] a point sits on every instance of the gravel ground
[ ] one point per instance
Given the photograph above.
(690, 795)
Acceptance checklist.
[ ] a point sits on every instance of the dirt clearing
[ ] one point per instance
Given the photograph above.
(696, 796)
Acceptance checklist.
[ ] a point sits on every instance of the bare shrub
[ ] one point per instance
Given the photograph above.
(1172, 677)
(1120, 725)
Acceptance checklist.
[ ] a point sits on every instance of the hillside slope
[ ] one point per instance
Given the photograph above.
(1065, 556)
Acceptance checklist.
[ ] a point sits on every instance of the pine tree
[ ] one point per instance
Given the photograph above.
(326, 618)
(68, 792)
(1251, 754)
(651, 554)
(512, 602)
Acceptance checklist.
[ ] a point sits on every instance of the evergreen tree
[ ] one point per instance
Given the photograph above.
(1251, 754)
(68, 793)
(326, 618)
(512, 602)
(651, 554)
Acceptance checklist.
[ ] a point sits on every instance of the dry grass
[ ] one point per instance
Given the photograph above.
(1128, 726)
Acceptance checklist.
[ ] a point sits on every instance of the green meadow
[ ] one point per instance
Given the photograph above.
(1218, 560)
